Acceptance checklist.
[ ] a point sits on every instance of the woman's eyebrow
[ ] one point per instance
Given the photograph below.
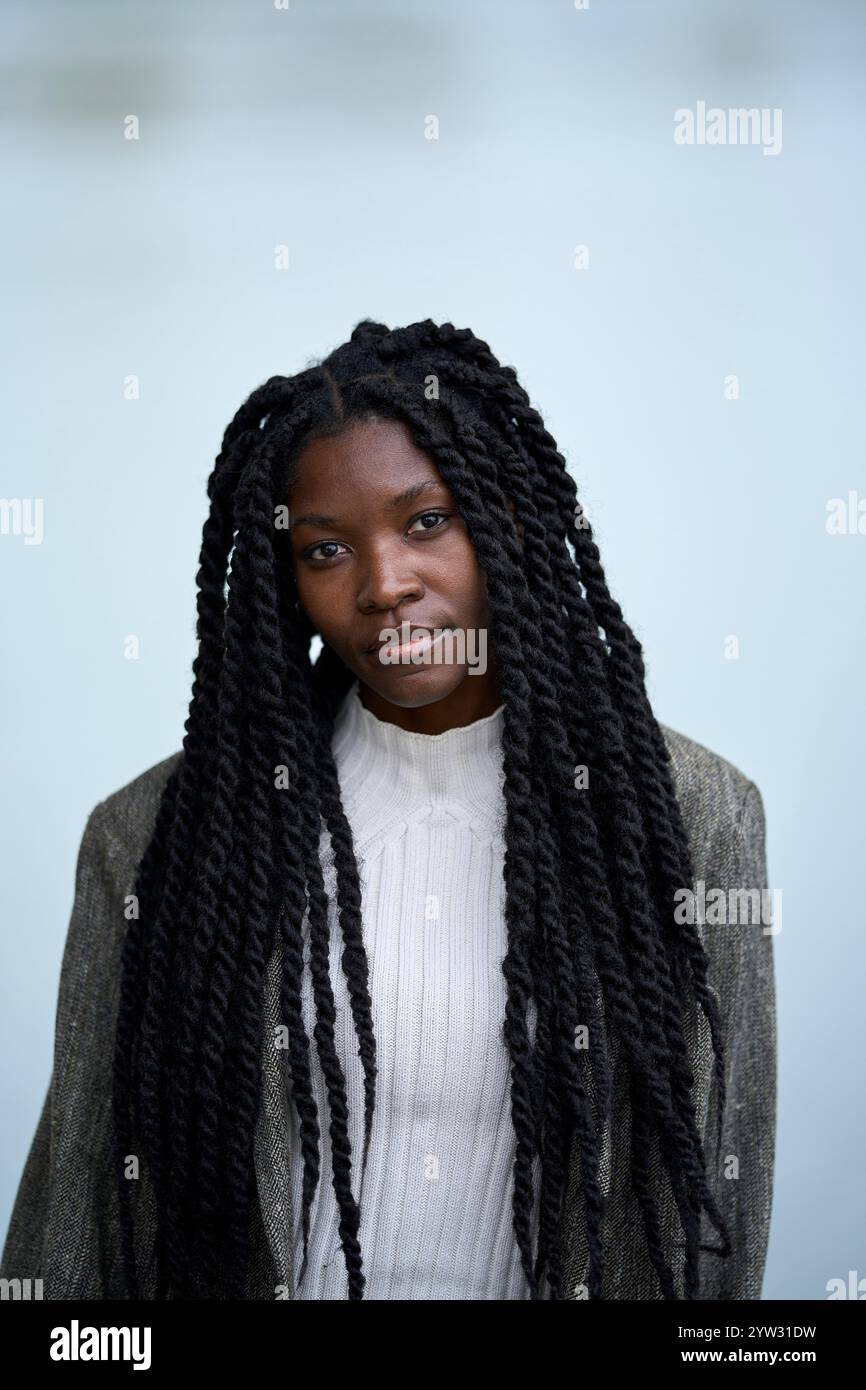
(415, 490)
(408, 495)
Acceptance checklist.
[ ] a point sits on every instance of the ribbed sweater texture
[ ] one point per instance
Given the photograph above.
(427, 818)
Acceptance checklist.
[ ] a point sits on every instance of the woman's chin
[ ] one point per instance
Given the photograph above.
(410, 685)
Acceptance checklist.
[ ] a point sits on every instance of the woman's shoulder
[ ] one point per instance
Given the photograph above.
(126, 817)
(719, 802)
(143, 789)
(715, 795)
(722, 806)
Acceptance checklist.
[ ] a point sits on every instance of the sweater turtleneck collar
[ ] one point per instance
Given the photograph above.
(388, 774)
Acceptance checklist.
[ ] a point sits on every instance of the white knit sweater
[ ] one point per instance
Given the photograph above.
(427, 819)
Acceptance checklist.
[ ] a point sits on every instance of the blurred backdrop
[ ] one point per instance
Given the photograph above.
(200, 196)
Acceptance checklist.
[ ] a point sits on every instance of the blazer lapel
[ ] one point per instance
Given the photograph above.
(272, 1156)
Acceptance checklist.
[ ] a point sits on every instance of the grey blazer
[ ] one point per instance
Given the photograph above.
(64, 1225)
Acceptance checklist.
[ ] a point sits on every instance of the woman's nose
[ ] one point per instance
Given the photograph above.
(388, 578)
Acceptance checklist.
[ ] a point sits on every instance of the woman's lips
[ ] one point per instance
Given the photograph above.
(413, 652)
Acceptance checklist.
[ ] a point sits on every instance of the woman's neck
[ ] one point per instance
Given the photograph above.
(389, 774)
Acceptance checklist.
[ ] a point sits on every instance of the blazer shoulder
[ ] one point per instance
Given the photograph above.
(712, 791)
(127, 816)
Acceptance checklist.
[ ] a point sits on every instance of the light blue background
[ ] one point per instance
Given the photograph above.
(305, 127)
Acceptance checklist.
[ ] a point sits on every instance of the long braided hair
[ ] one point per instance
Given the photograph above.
(233, 862)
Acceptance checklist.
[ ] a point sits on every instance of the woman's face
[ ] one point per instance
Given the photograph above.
(378, 545)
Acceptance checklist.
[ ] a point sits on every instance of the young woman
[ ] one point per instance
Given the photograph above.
(380, 987)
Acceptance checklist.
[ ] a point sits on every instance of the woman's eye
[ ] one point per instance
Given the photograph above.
(310, 554)
(330, 549)
(437, 516)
